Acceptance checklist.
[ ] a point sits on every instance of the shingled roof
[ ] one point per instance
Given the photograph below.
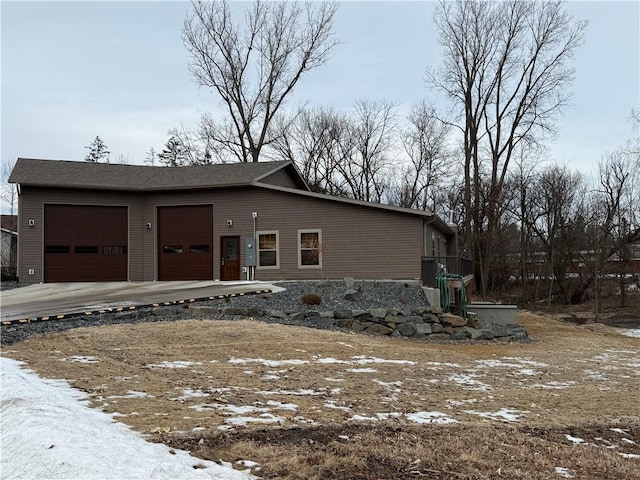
(111, 176)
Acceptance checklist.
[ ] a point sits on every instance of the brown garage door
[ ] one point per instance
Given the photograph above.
(185, 242)
(85, 243)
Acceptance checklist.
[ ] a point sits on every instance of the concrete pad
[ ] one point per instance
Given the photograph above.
(50, 299)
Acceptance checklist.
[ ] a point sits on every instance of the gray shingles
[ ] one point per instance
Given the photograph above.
(60, 173)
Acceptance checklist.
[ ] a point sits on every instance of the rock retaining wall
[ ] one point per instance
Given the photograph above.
(427, 323)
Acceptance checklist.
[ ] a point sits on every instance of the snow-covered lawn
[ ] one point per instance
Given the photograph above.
(48, 432)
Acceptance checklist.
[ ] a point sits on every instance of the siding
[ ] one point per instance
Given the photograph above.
(282, 178)
(358, 241)
(435, 242)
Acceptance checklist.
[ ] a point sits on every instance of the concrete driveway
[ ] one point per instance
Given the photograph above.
(52, 299)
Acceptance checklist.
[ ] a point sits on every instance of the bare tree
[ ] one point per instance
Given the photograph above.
(424, 142)
(372, 134)
(506, 70)
(614, 218)
(554, 213)
(8, 191)
(319, 142)
(254, 69)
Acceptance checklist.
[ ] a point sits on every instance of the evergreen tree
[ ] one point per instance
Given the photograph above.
(97, 151)
(174, 153)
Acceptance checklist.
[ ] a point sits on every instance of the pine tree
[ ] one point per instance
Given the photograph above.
(97, 151)
(173, 154)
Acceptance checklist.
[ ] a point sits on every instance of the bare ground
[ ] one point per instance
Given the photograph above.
(309, 403)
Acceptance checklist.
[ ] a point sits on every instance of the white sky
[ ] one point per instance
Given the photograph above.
(49, 432)
(74, 70)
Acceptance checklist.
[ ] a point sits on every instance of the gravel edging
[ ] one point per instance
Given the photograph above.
(343, 295)
(372, 294)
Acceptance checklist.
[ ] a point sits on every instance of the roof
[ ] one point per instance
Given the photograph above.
(11, 232)
(111, 176)
(9, 222)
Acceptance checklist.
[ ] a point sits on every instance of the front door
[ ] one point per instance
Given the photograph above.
(230, 258)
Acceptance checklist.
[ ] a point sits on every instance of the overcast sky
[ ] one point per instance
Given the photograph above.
(74, 70)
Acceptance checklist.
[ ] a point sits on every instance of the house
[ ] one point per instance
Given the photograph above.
(8, 245)
(81, 221)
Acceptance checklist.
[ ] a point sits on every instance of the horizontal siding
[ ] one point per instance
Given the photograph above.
(281, 178)
(357, 241)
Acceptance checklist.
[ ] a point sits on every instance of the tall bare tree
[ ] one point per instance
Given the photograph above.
(8, 191)
(506, 71)
(319, 142)
(255, 68)
(424, 142)
(372, 133)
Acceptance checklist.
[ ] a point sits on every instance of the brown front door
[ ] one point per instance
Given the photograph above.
(185, 242)
(229, 258)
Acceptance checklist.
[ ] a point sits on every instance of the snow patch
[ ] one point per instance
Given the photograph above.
(504, 414)
(67, 439)
(564, 472)
(574, 440)
(80, 359)
(267, 363)
(175, 364)
(361, 370)
(430, 417)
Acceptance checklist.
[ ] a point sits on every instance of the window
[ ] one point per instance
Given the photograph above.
(268, 250)
(199, 249)
(114, 250)
(172, 249)
(309, 248)
(86, 249)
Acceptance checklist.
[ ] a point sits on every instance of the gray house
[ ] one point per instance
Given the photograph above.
(81, 221)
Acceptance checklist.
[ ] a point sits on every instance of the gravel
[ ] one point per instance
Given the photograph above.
(363, 295)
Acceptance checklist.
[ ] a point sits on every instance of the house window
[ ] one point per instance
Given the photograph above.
(172, 249)
(268, 250)
(309, 248)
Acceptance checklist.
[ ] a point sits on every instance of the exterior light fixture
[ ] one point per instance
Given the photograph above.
(148, 226)
(32, 223)
(229, 223)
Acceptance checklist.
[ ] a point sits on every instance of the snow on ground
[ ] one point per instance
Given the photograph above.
(48, 432)
(631, 332)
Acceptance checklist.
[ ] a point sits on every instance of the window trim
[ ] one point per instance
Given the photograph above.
(277, 250)
(310, 230)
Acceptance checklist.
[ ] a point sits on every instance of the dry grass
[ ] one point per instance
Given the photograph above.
(574, 380)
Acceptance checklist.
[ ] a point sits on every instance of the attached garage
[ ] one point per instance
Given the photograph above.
(185, 242)
(85, 243)
(85, 221)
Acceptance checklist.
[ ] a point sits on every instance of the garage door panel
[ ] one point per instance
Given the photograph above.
(185, 242)
(85, 243)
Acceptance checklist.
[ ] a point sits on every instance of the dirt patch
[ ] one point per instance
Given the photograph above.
(307, 403)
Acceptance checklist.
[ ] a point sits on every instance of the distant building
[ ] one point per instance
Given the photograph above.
(9, 246)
